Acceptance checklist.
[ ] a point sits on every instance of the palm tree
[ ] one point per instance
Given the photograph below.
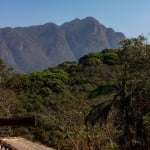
(121, 102)
(124, 94)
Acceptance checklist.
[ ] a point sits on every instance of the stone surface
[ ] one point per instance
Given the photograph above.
(20, 143)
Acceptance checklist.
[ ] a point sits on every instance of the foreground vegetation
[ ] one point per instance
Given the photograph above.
(101, 102)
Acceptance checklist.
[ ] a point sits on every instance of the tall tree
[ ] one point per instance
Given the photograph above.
(134, 58)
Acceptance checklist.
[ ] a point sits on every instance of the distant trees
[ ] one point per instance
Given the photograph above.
(8, 102)
(91, 59)
(107, 56)
(110, 57)
(51, 79)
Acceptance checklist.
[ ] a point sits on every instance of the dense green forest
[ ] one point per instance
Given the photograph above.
(101, 102)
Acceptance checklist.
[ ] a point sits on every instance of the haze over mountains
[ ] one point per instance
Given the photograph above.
(34, 48)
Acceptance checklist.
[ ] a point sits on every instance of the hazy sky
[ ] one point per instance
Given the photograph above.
(132, 17)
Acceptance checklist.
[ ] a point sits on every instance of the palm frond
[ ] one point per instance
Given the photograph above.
(127, 100)
(103, 90)
(99, 113)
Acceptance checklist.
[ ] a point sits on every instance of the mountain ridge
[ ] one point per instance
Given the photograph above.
(37, 47)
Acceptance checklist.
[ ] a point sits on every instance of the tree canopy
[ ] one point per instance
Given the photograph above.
(110, 87)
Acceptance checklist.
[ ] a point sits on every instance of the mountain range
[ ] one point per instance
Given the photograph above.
(34, 48)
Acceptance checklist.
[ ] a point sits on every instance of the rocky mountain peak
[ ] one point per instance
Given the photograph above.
(34, 48)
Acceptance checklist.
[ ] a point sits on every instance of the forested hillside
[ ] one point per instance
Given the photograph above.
(100, 102)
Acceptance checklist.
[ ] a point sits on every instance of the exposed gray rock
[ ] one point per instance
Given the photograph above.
(34, 48)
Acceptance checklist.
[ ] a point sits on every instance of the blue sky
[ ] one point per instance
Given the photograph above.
(132, 17)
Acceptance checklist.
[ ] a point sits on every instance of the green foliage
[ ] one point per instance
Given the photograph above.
(110, 57)
(42, 83)
(88, 87)
(91, 59)
(45, 91)
(105, 89)
(8, 101)
(107, 56)
(127, 97)
(60, 98)
(99, 113)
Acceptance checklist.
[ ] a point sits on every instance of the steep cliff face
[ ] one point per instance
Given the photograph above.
(88, 35)
(34, 48)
